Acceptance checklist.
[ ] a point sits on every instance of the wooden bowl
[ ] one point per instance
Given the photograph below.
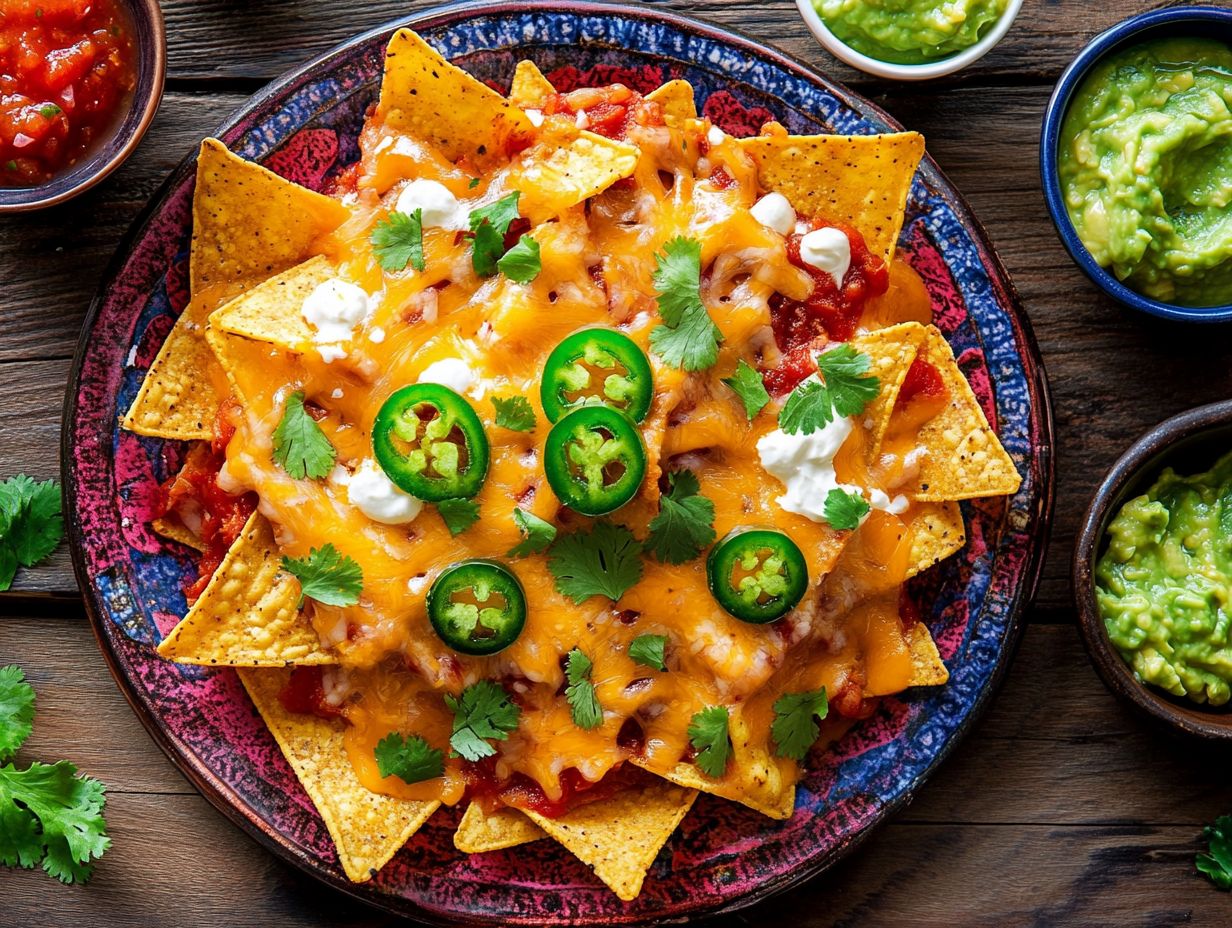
(1190, 443)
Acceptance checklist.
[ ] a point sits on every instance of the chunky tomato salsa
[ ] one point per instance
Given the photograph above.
(66, 70)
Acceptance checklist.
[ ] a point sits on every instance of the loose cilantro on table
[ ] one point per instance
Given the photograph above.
(649, 651)
(411, 760)
(602, 562)
(688, 338)
(326, 576)
(514, 413)
(300, 446)
(580, 693)
(538, 534)
(489, 225)
(844, 509)
(1217, 864)
(483, 713)
(48, 814)
(795, 728)
(30, 524)
(709, 737)
(459, 514)
(844, 388)
(397, 240)
(685, 523)
(747, 384)
(521, 263)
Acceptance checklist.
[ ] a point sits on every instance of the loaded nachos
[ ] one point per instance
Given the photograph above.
(569, 459)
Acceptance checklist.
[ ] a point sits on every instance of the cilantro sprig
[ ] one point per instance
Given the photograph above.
(842, 387)
(397, 240)
(844, 509)
(1217, 864)
(537, 534)
(326, 576)
(30, 524)
(482, 714)
(488, 226)
(710, 739)
(602, 562)
(685, 523)
(514, 413)
(688, 337)
(580, 693)
(49, 815)
(301, 448)
(521, 263)
(459, 514)
(411, 760)
(795, 728)
(747, 384)
(649, 651)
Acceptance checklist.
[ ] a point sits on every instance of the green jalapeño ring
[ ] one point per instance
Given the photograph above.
(757, 575)
(597, 367)
(477, 606)
(594, 460)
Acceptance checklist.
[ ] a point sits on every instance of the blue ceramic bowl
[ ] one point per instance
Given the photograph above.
(1206, 21)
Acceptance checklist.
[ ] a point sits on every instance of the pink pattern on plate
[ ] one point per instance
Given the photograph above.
(139, 490)
(733, 117)
(306, 158)
(949, 308)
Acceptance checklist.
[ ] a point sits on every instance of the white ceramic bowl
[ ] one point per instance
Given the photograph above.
(907, 72)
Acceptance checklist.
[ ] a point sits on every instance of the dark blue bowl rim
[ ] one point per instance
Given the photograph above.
(1054, 115)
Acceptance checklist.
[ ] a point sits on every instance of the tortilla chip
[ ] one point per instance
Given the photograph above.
(271, 312)
(174, 530)
(965, 459)
(938, 529)
(676, 98)
(779, 805)
(619, 837)
(530, 89)
(367, 828)
(568, 167)
(179, 397)
(481, 831)
(927, 668)
(248, 615)
(891, 351)
(428, 98)
(249, 223)
(862, 180)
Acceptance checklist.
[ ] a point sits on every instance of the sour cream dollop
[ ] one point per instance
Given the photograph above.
(774, 212)
(827, 250)
(376, 496)
(334, 308)
(440, 207)
(453, 373)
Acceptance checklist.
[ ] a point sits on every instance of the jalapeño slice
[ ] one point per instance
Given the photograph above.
(594, 460)
(477, 606)
(597, 367)
(430, 443)
(758, 575)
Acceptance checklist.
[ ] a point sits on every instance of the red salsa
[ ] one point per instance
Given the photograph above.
(66, 67)
(522, 792)
(304, 694)
(608, 111)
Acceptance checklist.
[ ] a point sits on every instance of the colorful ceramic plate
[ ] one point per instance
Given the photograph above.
(724, 856)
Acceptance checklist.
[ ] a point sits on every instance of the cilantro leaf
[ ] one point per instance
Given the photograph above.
(846, 389)
(1217, 865)
(521, 263)
(30, 524)
(481, 714)
(747, 384)
(583, 700)
(539, 534)
(16, 710)
(648, 650)
(397, 240)
(709, 737)
(808, 408)
(688, 339)
(326, 576)
(300, 446)
(794, 729)
(411, 760)
(459, 514)
(514, 413)
(474, 182)
(844, 509)
(685, 523)
(49, 111)
(489, 225)
(601, 562)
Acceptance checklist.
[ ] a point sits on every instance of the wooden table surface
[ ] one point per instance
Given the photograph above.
(1060, 808)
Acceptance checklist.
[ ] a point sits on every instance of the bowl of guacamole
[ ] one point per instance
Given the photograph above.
(1152, 573)
(1136, 162)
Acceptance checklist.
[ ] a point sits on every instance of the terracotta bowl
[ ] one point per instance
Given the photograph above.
(1190, 443)
(110, 152)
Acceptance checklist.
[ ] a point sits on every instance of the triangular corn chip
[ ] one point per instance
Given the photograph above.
(619, 837)
(272, 311)
(927, 668)
(428, 98)
(676, 98)
(778, 805)
(174, 530)
(568, 167)
(862, 180)
(481, 830)
(248, 615)
(891, 352)
(367, 828)
(938, 533)
(530, 89)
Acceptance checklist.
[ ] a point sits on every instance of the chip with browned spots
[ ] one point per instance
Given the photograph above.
(482, 830)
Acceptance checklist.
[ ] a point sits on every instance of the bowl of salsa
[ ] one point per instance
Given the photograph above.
(80, 81)
(1152, 574)
(1136, 162)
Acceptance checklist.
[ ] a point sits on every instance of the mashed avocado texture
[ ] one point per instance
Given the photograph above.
(1163, 586)
(1145, 164)
(909, 31)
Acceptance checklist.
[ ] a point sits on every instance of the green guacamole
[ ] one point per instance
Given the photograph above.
(1165, 582)
(1145, 163)
(909, 31)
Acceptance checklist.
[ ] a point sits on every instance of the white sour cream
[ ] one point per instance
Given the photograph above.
(715, 135)
(440, 207)
(774, 212)
(827, 250)
(804, 464)
(535, 117)
(878, 499)
(333, 309)
(375, 495)
(453, 373)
